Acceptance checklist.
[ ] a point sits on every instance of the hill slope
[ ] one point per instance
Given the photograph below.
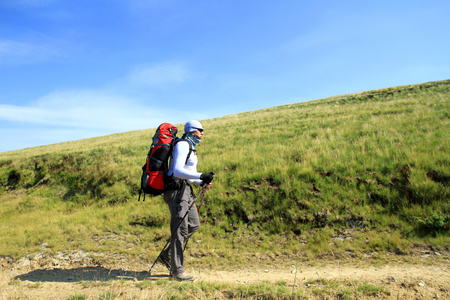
(361, 174)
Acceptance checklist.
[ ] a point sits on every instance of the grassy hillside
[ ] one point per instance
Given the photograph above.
(356, 174)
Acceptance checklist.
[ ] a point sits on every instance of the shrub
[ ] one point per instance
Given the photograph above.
(434, 224)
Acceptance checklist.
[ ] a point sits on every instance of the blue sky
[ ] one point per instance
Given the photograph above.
(78, 69)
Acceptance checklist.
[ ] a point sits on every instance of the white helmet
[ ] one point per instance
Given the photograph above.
(192, 126)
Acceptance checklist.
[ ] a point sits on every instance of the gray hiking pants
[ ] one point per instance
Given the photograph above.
(178, 207)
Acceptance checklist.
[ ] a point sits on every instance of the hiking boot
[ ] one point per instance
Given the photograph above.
(165, 261)
(182, 277)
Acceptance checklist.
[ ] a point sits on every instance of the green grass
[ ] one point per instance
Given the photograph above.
(318, 289)
(77, 297)
(290, 180)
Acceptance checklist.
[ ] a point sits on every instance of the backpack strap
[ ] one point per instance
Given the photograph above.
(191, 147)
(141, 190)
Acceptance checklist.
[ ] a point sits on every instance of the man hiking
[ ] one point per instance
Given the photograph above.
(183, 167)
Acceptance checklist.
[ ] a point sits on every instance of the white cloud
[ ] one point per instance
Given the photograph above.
(68, 115)
(159, 74)
(8, 47)
(20, 138)
(82, 109)
(78, 114)
(24, 52)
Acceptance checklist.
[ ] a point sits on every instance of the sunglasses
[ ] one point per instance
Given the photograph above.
(199, 129)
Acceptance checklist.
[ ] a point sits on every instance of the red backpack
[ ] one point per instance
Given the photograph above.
(154, 172)
(154, 179)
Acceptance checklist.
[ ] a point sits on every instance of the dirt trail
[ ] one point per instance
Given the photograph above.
(31, 280)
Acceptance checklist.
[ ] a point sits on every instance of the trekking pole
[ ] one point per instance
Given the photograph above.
(201, 200)
(203, 196)
(203, 190)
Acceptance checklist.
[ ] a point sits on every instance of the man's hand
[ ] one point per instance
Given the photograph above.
(207, 178)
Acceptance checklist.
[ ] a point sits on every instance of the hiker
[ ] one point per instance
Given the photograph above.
(183, 166)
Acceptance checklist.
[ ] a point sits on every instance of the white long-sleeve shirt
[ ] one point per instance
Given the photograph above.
(181, 168)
